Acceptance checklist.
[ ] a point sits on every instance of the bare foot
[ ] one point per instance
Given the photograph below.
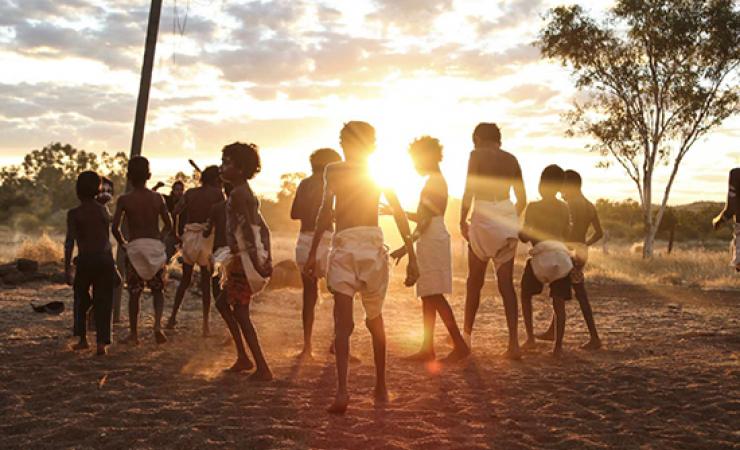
(305, 355)
(548, 335)
(82, 345)
(171, 324)
(381, 395)
(421, 356)
(512, 353)
(206, 331)
(261, 375)
(101, 350)
(131, 339)
(241, 365)
(159, 337)
(593, 344)
(529, 344)
(557, 352)
(340, 404)
(457, 355)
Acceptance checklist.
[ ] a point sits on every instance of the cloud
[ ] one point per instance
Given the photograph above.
(536, 94)
(411, 16)
(514, 13)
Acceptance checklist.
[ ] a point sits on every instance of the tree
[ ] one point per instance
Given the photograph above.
(657, 75)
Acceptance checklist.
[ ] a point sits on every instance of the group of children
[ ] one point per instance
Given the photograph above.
(218, 226)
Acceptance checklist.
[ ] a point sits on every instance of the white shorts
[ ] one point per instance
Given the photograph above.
(551, 261)
(494, 231)
(196, 249)
(303, 248)
(358, 262)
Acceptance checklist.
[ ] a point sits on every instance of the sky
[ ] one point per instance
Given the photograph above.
(286, 74)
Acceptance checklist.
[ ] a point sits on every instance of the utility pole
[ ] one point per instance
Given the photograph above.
(146, 77)
(141, 107)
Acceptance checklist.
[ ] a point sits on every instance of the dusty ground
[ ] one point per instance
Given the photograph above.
(668, 378)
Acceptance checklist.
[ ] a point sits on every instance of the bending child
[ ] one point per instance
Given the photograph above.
(547, 226)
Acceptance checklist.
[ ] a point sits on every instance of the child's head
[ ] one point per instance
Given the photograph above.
(357, 140)
(551, 181)
(88, 185)
(426, 152)
(138, 171)
(178, 188)
(106, 191)
(210, 176)
(571, 183)
(486, 135)
(240, 161)
(322, 158)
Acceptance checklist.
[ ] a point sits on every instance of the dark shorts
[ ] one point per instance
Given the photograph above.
(237, 287)
(532, 286)
(135, 284)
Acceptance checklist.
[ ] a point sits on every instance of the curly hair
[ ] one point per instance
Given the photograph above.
(426, 149)
(246, 157)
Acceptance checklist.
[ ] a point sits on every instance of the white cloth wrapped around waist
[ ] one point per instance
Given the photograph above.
(197, 249)
(358, 262)
(220, 259)
(303, 248)
(256, 281)
(434, 257)
(492, 226)
(551, 261)
(147, 256)
(736, 247)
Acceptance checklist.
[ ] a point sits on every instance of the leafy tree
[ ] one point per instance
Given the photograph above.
(657, 76)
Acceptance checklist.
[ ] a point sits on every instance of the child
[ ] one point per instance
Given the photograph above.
(433, 251)
(731, 212)
(145, 251)
(547, 226)
(358, 260)
(195, 207)
(249, 243)
(494, 225)
(88, 226)
(583, 216)
(305, 208)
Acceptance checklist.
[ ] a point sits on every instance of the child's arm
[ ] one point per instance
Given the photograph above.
(598, 231)
(116, 226)
(324, 220)
(211, 221)
(525, 234)
(165, 216)
(519, 192)
(412, 270)
(467, 199)
(298, 208)
(69, 245)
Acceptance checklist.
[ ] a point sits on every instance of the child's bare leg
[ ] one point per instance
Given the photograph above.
(505, 278)
(461, 349)
(242, 360)
(429, 312)
(527, 313)
(84, 303)
(476, 278)
(133, 316)
(343, 327)
(594, 343)
(310, 296)
(158, 296)
(263, 372)
(187, 275)
(377, 331)
(205, 287)
(558, 305)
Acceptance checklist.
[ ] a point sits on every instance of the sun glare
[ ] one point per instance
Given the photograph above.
(394, 170)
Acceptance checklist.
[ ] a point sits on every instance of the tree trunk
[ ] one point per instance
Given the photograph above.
(648, 245)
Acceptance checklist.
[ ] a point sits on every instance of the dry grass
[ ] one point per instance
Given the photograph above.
(693, 267)
(42, 249)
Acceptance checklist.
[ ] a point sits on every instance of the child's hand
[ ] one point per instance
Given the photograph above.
(385, 210)
(309, 268)
(398, 254)
(412, 273)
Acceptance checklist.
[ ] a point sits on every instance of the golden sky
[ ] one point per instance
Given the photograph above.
(286, 74)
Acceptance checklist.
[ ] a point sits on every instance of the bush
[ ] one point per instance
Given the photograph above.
(42, 249)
